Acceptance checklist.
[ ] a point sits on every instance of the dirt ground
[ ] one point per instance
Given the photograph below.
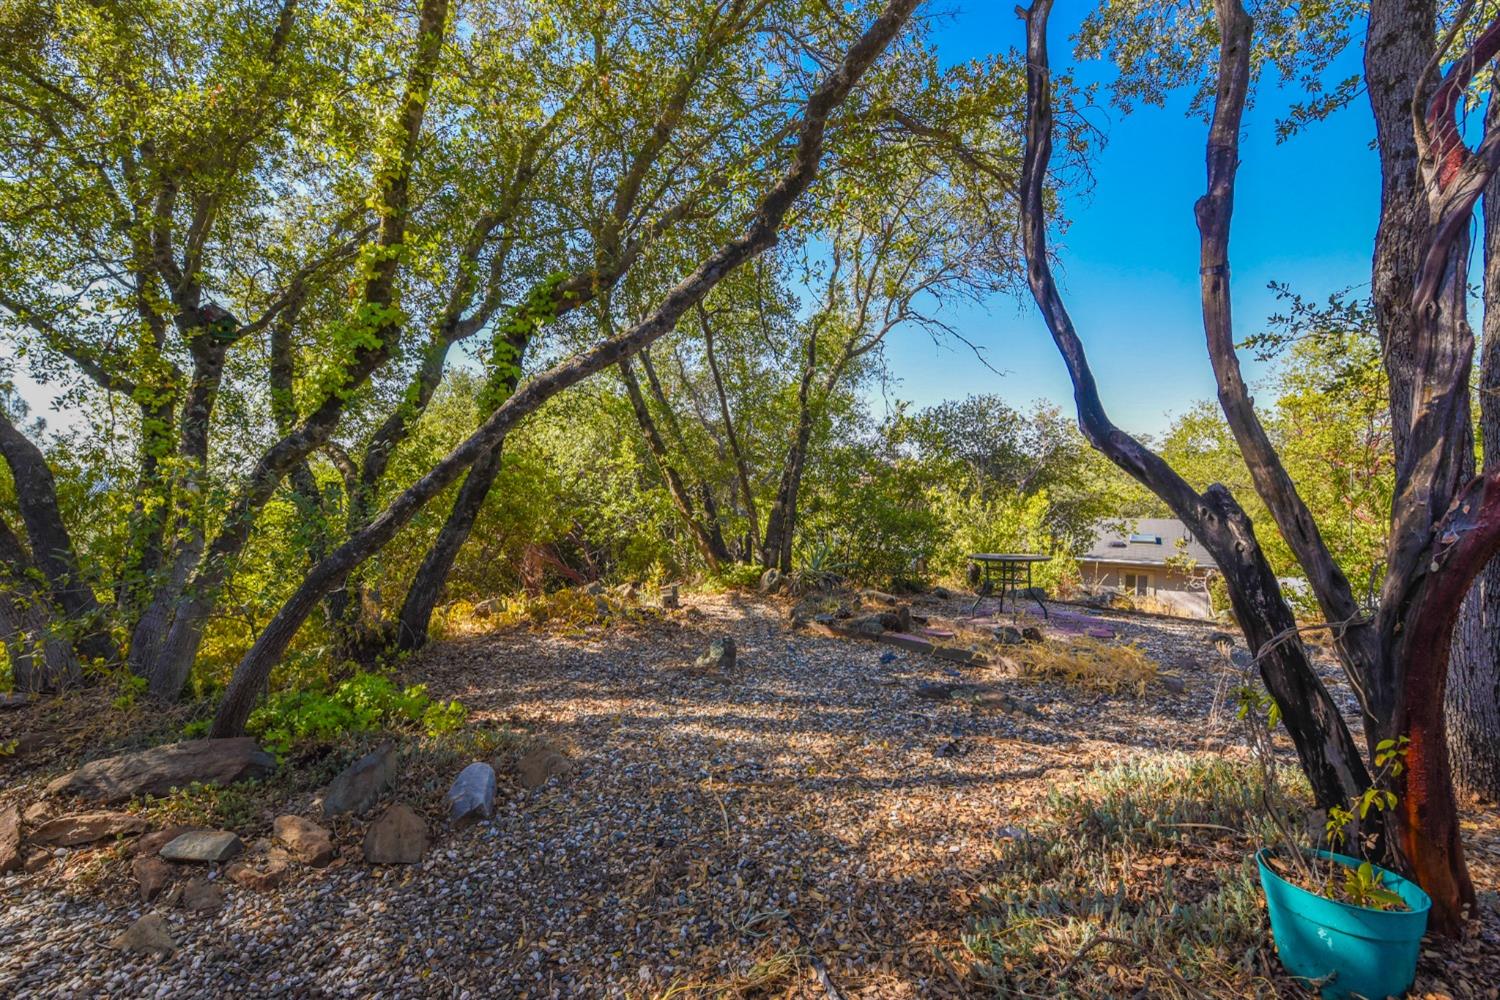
(816, 822)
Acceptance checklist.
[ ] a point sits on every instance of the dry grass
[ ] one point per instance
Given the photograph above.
(1136, 880)
(1093, 664)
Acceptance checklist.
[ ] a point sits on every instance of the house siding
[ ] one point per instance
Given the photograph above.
(1184, 594)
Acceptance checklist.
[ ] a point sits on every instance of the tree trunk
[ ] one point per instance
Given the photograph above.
(41, 661)
(432, 576)
(741, 466)
(51, 545)
(1473, 692)
(781, 519)
(1398, 45)
(713, 554)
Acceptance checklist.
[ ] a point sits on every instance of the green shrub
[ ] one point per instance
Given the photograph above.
(361, 704)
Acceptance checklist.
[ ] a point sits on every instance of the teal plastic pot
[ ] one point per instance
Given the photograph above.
(1353, 951)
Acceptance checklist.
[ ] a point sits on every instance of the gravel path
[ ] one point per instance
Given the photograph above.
(808, 812)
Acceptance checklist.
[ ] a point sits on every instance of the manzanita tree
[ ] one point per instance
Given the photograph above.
(1445, 523)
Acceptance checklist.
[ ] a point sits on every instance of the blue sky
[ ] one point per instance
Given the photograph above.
(1305, 214)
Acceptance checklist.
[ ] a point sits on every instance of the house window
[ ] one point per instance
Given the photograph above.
(1138, 584)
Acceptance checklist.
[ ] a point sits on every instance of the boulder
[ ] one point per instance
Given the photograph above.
(1032, 634)
(305, 840)
(472, 795)
(15, 699)
(361, 784)
(203, 847)
(1173, 683)
(202, 896)
(942, 593)
(160, 769)
(85, 828)
(487, 608)
(720, 657)
(770, 581)
(148, 935)
(398, 837)
(10, 838)
(542, 764)
(37, 813)
(151, 875)
(898, 620)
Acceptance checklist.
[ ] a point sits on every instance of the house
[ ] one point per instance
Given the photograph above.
(1151, 557)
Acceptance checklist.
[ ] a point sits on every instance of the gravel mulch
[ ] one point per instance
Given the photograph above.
(807, 821)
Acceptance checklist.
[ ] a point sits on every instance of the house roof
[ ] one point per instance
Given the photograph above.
(1145, 541)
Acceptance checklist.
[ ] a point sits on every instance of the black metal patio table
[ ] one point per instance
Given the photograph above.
(1010, 569)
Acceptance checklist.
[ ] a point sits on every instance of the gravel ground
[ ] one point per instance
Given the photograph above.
(808, 813)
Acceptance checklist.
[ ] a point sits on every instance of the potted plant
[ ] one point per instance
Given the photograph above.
(1339, 923)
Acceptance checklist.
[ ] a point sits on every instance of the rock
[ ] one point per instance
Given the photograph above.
(1032, 634)
(203, 847)
(1100, 632)
(10, 838)
(398, 837)
(898, 620)
(159, 770)
(472, 795)
(487, 607)
(879, 597)
(305, 840)
(771, 581)
(1173, 683)
(863, 627)
(152, 843)
(955, 654)
(36, 860)
(202, 896)
(1223, 640)
(936, 692)
(361, 784)
(594, 589)
(85, 828)
(267, 874)
(720, 657)
(1008, 635)
(887, 657)
(15, 699)
(151, 875)
(148, 934)
(36, 814)
(669, 599)
(541, 764)
(942, 593)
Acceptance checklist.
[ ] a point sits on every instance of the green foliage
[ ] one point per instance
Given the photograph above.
(364, 703)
